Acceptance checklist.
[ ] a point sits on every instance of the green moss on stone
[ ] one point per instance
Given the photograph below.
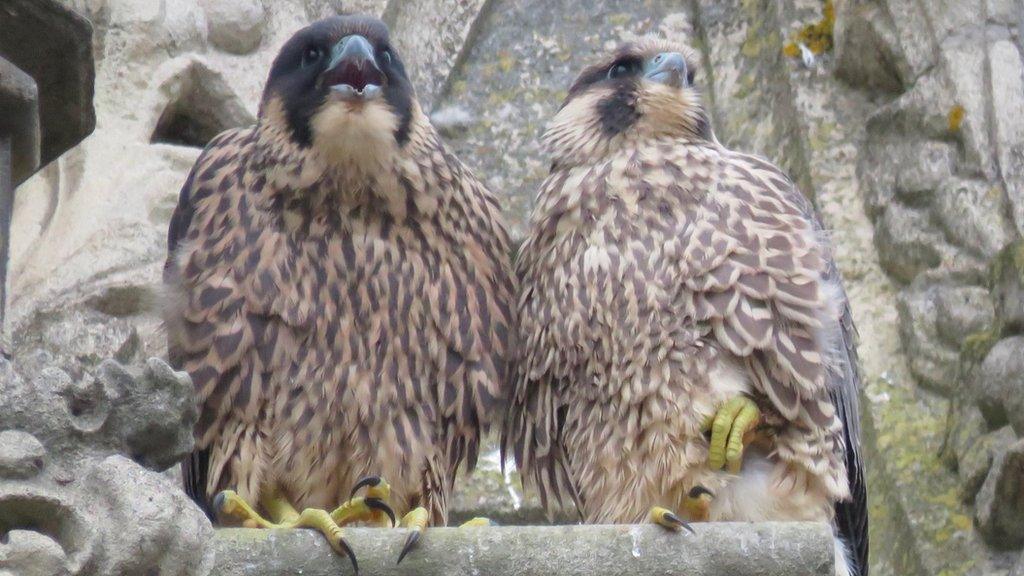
(1010, 260)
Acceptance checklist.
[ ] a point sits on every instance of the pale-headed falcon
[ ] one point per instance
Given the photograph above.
(341, 294)
(670, 287)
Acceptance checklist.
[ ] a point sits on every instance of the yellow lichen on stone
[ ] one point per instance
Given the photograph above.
(977, 345)
(817, 36)
(956, 117)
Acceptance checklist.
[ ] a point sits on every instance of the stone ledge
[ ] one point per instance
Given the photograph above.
(734, 549)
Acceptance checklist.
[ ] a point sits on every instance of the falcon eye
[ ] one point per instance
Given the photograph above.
(312, 55)
(386, 56)
(622, 69)
(689, 78)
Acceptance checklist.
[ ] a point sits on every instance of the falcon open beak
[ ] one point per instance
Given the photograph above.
(353, 74)
(667, 68)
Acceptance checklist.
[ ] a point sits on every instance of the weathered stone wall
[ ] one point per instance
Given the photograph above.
(906, 134)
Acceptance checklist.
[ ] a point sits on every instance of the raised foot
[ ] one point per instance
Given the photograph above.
(732, 428)
(229, 503)
(668, 519)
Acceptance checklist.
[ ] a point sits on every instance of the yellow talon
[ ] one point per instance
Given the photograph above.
(370, 508)
(229, 503)
(729, 427)
(416, 520)
(477, 522)
(667, 518)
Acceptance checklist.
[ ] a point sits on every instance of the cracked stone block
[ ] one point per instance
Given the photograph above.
(1008, 116)
(1000, 503)
(431, 36)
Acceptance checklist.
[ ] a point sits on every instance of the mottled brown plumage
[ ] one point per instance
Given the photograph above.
(662, 275)
(340, 293)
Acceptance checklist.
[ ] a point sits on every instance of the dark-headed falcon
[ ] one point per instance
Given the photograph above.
(686, 344)
(341, 295)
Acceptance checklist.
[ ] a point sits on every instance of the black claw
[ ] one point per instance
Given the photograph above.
(218, 502)
(368, 481)
(351, 555)
(378, 504)
(698, 491)
(409, 543)
(678, 522)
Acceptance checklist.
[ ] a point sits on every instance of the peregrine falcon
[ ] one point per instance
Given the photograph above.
(341, 293)
(686, 346)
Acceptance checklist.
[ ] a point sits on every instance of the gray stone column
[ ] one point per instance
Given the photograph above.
(716, 549)
(6, 206)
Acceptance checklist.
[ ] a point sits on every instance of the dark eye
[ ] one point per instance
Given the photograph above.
(312, 55)
(620, 69)
(386, 56)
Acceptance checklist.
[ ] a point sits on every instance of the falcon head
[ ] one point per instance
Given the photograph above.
(644, 90)
(338, 85)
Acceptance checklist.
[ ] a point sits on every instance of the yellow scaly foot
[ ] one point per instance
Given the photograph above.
(668, 519)
(371, 508)
(417, 520)
(229, 503)
(732, 428)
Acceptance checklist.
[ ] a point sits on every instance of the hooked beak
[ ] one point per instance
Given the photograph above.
(667, 68)
(353, 74)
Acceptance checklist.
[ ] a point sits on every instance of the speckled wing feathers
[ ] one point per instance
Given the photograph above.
(333, 333)
(641, 273)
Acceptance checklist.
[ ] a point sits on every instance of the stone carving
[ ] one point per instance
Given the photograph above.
(72, 501)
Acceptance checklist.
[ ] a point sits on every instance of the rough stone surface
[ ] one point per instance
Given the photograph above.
(1018, 570)
(1008, 287)
(932, 361)
(21, 455)
(1000, 381)
(70, 503)
(1000, 510)
(780, 549)
(1008, 102)
(960, 311)
(235, 26)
